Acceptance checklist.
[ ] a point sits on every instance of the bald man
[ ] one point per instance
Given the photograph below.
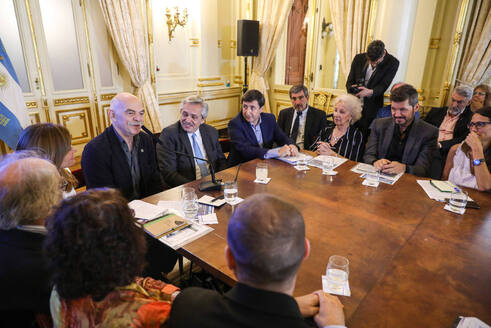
(122, 156)
(29, 189)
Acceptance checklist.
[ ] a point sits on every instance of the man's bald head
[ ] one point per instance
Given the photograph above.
(266, 237)
(29, 188)
(126, 113)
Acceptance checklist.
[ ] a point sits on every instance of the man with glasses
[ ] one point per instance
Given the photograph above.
(370, 75)
(254, 134)
(192, 136)
(452, 121)
(402, 143)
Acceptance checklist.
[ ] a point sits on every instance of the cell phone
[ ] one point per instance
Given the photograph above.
(472, 204)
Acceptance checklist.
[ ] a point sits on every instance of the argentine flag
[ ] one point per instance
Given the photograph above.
(13, 111)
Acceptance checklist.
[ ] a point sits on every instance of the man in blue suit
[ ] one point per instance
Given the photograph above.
(254, 134)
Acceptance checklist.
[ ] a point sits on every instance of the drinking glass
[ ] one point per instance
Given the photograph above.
(230, 191)
(373, 178)
(337, 273)
(262, 171)
(328, 165)
(458, 200)
(302, 161)
(189, 202)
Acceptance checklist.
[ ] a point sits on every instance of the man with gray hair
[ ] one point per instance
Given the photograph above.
(452, 121)
(192, 136)
(29, 188)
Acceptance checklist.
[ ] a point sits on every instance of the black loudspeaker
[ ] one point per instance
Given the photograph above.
(247, 37)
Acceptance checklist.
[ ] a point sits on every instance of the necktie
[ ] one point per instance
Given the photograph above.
(197, 152)
(294, 133)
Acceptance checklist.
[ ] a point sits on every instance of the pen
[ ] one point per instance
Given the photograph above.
(217, 198)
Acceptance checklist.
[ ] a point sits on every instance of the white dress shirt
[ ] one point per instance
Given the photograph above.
(301, 126)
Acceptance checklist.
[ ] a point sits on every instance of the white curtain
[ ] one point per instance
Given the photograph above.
(272, 16)
(475, 68)
(350, 21)
(125, 21)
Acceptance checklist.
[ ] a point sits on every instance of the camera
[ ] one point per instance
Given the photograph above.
(355, 88)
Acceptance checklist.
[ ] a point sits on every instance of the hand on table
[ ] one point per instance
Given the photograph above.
(323, 148)
(394, 167)
(380, 163)
(330, 311)
(308, 304)
(293, 150)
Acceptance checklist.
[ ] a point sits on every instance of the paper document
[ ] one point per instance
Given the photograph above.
(185, 236)
(470, 322)
(434, 193)
(317, 161)
(208, 200)
(293, 159)
(146, 211)
(367, 170)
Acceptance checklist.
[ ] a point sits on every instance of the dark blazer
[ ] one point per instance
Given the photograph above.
(242, 306)
(25, 284)
(418, 152)
(435, 117)
(244, 145)
(179, 169)
(315, 121)
(104, 164)
(379, 82)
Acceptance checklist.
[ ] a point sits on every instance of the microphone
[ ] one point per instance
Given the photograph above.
(214, 184)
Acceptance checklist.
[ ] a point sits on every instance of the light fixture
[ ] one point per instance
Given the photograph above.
(175, 19)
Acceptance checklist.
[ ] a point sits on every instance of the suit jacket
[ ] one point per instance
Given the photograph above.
(242, 306)
(379, 82)
(179, 169)
(25, 286)
(315, 121)
(420, 146)
(104, 164)
(244, 145)
(435, 117)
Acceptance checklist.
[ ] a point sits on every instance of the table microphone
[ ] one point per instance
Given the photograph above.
(214, 184)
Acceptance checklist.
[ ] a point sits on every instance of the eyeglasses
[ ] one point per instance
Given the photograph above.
(479, 93)
(478, 125)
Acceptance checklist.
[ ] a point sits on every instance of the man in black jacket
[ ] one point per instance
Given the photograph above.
(192, 136)
(301, 122)
(122, 156)
(370, 75)
(266, 245)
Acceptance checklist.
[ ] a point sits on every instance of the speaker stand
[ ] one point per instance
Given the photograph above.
(245, 86)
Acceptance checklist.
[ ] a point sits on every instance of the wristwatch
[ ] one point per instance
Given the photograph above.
(478, 162)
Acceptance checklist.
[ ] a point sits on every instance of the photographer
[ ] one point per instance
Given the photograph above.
(371, 74)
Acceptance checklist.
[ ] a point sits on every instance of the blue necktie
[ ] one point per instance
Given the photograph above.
(197, 152)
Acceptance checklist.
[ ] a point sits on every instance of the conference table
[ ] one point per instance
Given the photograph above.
(412, 263)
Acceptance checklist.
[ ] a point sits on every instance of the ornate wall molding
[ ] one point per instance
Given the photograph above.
(71, 101)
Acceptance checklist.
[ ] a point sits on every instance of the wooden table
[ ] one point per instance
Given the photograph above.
(412, 264)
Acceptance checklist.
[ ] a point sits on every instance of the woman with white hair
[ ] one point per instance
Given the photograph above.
(343, 139)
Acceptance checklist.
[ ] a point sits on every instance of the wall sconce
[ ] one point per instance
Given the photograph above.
(176, 19)
(327, 28)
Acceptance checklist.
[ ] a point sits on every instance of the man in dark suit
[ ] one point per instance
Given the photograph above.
(122, 156)
(266, 245)
(30, 188)
(301, 122)
(254, 134)
(452, 121)
(192, 136)
(370, 75)
(402, 143)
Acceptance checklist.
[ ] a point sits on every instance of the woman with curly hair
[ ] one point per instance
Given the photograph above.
(55, 142)
(96, 254)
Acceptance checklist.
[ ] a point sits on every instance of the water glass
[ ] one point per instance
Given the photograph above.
(328, 165)
(373, 178)
(337, 273)
(302, 161)
(262, 171)
(230, 191)
(189, 202)
(458, 200)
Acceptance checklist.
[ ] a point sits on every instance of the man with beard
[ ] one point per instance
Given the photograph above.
(190, 135)
(402, 143)
(452, 121)
(301, 122)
